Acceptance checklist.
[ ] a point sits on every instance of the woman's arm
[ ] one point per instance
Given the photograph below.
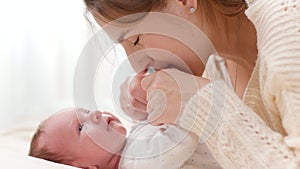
(235, 134)
(278, 31)
(241, 138)
(237, 137)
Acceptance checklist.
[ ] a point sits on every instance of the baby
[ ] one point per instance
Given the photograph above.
(95, 139)
(62, 138)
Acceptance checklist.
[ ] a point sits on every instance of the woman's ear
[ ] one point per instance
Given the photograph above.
(190, 5)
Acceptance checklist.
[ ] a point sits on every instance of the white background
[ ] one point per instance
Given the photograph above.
(40, 41)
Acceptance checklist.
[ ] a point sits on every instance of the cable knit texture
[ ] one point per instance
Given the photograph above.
(263, 130)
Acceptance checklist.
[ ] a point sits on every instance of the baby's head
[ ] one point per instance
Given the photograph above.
(80, 138)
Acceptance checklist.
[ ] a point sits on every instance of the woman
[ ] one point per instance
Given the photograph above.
(260, 43)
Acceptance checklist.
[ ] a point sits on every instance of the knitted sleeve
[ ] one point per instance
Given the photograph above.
(235, 134)
(278, 31)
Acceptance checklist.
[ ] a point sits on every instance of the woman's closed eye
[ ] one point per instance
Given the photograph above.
(136, 41)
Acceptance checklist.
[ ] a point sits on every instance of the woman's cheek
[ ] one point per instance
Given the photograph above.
(128, 47)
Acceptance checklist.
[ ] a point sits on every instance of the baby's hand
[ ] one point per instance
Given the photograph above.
(133, 97)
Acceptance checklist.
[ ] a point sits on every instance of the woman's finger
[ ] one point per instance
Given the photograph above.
(156, 105)
(147, 81)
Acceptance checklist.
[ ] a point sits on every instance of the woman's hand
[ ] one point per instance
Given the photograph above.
(133, 97)
(167, 92)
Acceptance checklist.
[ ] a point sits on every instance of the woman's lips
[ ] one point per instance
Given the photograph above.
(149, 65)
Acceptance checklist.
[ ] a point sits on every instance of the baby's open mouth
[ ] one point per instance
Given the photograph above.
(108, 119)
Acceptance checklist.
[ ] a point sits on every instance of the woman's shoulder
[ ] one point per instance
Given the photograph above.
(277, 26)
(265, 11)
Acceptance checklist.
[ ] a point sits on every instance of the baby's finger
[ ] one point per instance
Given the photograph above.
(136, 91)
(136, 114)
(136, 104)
(132, 112)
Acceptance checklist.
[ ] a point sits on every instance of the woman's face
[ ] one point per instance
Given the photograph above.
(159, 51)
(168, 39)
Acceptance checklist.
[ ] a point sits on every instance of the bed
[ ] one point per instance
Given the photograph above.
(14, 146)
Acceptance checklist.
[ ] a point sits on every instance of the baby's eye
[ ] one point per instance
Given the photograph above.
(80, 127)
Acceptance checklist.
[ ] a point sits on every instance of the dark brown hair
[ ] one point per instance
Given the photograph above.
(108, 10)
(228, 7)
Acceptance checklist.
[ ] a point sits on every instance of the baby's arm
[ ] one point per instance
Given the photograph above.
(159, 147)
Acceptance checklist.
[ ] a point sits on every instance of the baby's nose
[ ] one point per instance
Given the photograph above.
(96, 117)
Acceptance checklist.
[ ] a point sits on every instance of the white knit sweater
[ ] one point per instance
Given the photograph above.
(263, 130)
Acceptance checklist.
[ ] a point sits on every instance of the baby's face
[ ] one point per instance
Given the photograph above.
(91, 138)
